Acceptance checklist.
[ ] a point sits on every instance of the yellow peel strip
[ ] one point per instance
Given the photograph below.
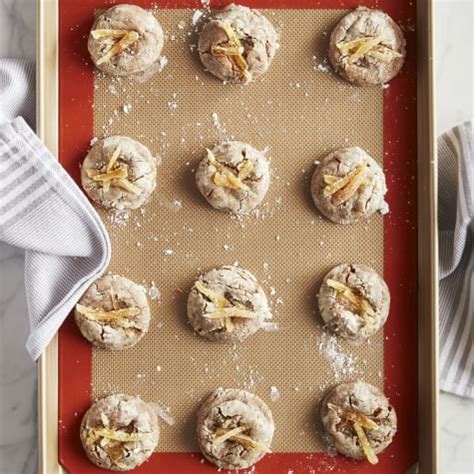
(118, 47)
(229, 434)
(233, 312)
(218, 300)
(113, 159)
(97, 34)
(364, 443)
(354, 416)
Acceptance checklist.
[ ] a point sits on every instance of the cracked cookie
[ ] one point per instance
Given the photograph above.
(233, 177)
(354, 301)
(119, 432)
(227, 304)
(125, 40)
(234, 429)
(367, 47)
(237, 44)
(113, 313)
(349, 185)
(359, 420)
(119, 173)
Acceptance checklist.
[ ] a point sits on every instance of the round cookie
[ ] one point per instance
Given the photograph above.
(237, 412)
(125, 40)
(119, 173)
(367, 47)
(119, 432)
(354, 301)
(237, 44)
(361, 403)
(113, 313)
(227, 304)
(233, 177)
(349, 185)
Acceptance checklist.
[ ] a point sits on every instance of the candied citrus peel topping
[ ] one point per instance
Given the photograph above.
(225, 310)
(122, 44)
(95, 434)
(234, 51)
(354, 416)
(225, 178)
(384, 54)
(368, 46)
(110, 175)
(357, 302)
(342, 189)
(108, 33)
(364, 443)
(116, 316)
(359, 422)
(238, 435)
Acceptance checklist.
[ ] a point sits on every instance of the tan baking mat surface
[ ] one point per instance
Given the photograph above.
(301, 111)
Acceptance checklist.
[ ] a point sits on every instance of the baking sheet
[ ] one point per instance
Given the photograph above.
(298, 111)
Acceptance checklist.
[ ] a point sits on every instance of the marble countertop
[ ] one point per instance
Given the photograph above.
(454, 76)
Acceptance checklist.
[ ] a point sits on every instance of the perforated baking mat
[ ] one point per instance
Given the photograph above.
(298, 112)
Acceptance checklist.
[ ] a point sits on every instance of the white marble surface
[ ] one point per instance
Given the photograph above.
(454, 74)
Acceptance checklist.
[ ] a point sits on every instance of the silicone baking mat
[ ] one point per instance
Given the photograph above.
(298, 112)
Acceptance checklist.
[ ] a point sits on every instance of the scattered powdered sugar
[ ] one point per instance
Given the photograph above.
(163, 412)
(119, 218)
(153, 292)
(196, 15)
(168, 252)
(270, 326)
(175, 204)
(274, 394)
(127, 108)
(341, 362)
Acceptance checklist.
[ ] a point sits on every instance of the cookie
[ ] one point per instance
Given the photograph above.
(119, 173)
(125, 40)
(119, 432)
(357, 414)
(227, 304)
(113, 313)
(234, 429)
(349, 185)
(237, 44)
(233, 177)
(367, 47)
(354, 301)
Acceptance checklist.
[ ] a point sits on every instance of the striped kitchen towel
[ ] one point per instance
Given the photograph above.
(44, 212)
(456, 258)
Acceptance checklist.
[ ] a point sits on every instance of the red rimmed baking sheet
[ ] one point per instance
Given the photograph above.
(76, 89)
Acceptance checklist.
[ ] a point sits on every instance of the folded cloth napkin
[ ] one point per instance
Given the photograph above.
(456, 258)
(44, 212)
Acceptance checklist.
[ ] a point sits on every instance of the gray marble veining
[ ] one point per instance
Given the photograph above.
(454, 74)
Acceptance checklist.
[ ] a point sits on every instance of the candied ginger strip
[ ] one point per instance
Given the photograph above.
(354, 416)
(104, 33)
(341, 196)
(249, 442)
(98, 433)
(232, 312)
(113, 159)
(218, 300)
(118, 47)
(101, 315)
(229, 434)
(364, 443)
